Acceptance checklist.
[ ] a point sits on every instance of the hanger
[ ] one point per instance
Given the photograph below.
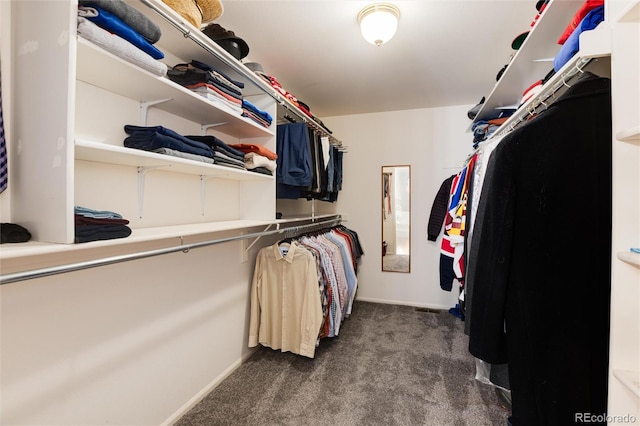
(545, 105)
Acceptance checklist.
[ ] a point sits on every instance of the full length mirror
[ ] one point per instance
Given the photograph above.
(396, 218)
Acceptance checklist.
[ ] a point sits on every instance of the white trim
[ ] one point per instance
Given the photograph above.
(177, 415)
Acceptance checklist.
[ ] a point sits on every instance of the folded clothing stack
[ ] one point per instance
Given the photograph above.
(257, 158)
(223, 154)
(13, 233)
(122, 30)
(95, 225)
(209, 83)
(571, 45)
(252, 112)
(166, 141)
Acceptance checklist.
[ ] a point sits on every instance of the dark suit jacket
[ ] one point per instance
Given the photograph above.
(542, 278)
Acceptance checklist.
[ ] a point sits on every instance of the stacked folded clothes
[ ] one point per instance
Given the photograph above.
(571, 45)
(209, 83)
(95, 225)
(259, 164)
(249, 110)
(166, 141)
(257, 158)
(483, 129)
(120, 29)
(223, 154)
(217, 87)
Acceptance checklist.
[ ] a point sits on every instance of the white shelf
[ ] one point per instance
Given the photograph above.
(37, 248)
(629, 135)
(175, 40)
(110, 154)
(102, 69)
(631, 379)
(631, 14)
(178, 35)
(629, 257)
(528, 65)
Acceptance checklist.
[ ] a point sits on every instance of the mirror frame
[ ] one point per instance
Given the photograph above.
(382, 217)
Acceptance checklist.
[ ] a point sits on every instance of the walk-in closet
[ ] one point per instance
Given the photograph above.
(249, 212)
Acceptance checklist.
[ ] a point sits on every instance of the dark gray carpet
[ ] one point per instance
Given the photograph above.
(390, 365)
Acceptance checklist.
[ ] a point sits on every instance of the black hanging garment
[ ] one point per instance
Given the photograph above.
(439, 209)
(542, 280)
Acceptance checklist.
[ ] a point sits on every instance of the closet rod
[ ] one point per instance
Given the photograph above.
(71, 267)
(576, 69)
(206, 45)
(257, 81)
(311, 122)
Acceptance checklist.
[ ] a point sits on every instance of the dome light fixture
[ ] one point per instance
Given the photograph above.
(378, 22)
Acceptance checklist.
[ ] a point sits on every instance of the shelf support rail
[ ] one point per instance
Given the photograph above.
(142, 172)
(55, 270)
(144, 109)
(246, 250)
(577, 69)
(255, 80)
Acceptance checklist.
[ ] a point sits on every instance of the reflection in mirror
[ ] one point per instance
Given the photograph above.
(396, 218)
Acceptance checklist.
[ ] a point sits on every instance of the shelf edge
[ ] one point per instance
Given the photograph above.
(631, 14)
(629, 135)
(630, 379)
(629, 257)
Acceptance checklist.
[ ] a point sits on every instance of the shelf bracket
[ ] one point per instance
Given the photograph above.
(246, 249)
(203, 191)
(144, 109)
(142, 171)
(205, 127)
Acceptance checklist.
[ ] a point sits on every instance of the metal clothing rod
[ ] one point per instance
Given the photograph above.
(54, 270)
(257, 81)
(577, 69)
(312, 123)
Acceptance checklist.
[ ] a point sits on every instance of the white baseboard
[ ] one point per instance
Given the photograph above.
(405, 303)
(171, 420)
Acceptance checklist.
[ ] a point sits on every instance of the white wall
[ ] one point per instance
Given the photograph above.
(435, 143)
(126, 344)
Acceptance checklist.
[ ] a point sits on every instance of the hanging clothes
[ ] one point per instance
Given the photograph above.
(294, 169)
(542, 268)
(303, 289)
(439, 209)
(494, 374)
(452, 244)
(307, 165)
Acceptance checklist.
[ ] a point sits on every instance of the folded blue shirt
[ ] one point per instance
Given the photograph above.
(572, 45)
(113, 24)
(251, 107)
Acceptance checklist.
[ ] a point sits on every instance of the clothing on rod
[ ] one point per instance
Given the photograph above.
(303, 289)
(540, 304)
(307, 165)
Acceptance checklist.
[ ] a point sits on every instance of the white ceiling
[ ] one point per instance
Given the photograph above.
(446, 52)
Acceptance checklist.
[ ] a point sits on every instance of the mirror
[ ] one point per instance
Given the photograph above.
(396, 218)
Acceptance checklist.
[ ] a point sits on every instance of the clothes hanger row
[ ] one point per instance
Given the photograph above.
(312, 233)
(287, 119)
(547, 97)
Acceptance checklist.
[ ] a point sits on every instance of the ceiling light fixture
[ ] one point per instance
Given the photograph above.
(378, 22)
